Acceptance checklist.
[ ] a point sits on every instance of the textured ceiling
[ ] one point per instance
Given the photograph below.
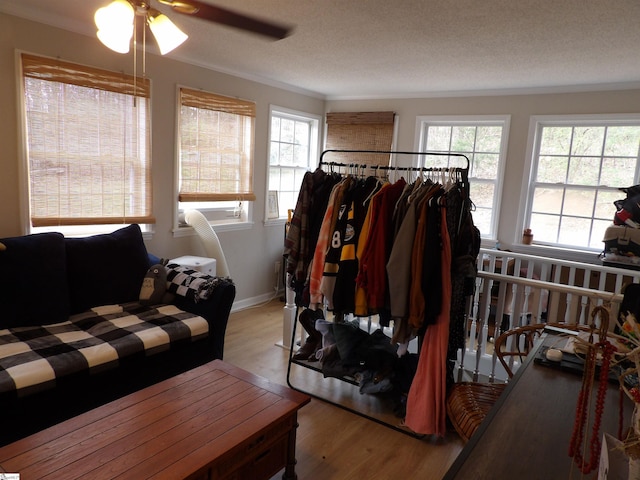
(405, 48)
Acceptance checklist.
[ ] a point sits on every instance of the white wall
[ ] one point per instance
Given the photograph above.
(251, 253)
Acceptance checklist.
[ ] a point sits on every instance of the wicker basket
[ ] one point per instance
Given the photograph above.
(468, 404)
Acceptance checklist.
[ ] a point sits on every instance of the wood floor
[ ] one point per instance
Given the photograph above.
(333, 443)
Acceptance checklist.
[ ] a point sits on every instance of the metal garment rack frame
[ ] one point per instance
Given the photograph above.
(464, 172)
(397, 168)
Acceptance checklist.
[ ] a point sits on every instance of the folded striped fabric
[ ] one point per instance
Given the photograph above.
(189, 283)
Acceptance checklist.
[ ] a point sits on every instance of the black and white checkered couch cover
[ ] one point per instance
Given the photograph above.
(32, 358)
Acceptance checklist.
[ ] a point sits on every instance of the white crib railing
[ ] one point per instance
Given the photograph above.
(516, 289)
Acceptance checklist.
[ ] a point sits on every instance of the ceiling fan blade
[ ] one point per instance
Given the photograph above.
(228, 17)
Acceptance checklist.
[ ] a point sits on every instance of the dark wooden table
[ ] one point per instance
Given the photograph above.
(216, 421)
(527, 434)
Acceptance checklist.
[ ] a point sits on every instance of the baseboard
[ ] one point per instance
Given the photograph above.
(253, 301)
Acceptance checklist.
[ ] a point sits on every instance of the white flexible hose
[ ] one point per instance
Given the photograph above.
(210, 240)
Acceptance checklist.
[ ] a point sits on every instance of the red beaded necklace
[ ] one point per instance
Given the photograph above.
(584, 398)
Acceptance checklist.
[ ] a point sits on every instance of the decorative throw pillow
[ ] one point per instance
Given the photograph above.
(106, 269)
(33, 280)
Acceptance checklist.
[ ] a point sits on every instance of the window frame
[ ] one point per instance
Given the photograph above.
(315, 122)
(504, 121)
(536, 125)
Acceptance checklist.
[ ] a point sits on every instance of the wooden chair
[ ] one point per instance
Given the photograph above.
(468, 403)
(522, 341)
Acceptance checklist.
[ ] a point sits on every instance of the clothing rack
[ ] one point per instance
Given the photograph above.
(463, 171)
(397, 425)
(461, 178)
(395, 152)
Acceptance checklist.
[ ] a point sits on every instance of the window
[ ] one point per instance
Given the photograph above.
(293, 150)
(215, 137)
(577, 165)
(484, 141)
(360, 131)
(87, 143)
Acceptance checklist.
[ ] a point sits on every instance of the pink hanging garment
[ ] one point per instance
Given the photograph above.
(426, 410)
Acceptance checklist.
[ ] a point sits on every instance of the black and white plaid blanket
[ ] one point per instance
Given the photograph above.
(190, 283)
(32, 358)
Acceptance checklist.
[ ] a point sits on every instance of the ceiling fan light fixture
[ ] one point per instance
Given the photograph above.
(115, 25)
(117, 40)
(165, 32)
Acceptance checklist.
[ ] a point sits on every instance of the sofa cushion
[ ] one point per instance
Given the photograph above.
(33, 280)
(105, 269)
(35, 358)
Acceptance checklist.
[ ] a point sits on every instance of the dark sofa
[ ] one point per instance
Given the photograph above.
(48, 281)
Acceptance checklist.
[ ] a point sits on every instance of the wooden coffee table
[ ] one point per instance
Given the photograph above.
(214, 422)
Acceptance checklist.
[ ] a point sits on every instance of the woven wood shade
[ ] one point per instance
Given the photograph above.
(55, 70)
(216, 147)
(212, 101)
(88, 144)
(360, 118)
(360, 131)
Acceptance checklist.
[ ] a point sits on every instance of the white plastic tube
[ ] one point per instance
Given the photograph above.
(210, 240)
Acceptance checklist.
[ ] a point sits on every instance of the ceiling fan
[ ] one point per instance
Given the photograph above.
(116, 21)
(228, 17)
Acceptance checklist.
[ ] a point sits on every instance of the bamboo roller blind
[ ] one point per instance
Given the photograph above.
(216, 147)
(88, 144)
(360, 131)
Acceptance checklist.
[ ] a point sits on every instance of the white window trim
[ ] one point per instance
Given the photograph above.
(23, 171)
(314, 151)
(502, 120)
(533, 144)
